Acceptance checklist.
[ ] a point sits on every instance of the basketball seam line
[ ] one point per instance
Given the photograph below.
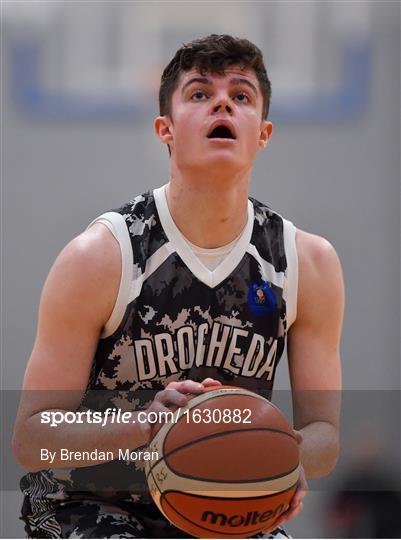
(188, 494)
(216, 435)
(213, 480)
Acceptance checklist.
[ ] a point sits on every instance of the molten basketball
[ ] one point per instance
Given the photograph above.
(227, 467)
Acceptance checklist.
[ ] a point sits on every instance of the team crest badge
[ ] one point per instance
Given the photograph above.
(261, 298)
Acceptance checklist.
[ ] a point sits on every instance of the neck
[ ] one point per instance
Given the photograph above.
(210, 212)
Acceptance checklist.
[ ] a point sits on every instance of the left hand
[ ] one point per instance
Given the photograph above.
(296, 504)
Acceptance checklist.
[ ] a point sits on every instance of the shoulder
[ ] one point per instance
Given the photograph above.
(320, 278)
(95, 250)
(315, 253)
(86, 274)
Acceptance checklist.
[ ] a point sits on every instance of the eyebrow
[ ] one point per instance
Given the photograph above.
(201, 80)
(240, 80)
(208, 82)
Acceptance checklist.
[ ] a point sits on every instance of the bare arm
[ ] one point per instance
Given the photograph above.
(314, 362)
(314, 353)
(77, 300)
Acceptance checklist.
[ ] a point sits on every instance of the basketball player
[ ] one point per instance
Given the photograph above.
(189, 285)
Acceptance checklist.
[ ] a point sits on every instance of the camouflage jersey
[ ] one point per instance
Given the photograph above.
(174, 319)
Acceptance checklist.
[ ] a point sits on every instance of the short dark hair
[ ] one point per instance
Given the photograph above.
(214, 54)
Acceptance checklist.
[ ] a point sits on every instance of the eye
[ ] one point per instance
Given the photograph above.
(242, 97)
(199, 95)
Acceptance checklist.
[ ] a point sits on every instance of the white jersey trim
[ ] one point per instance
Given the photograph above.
(211, 278)
(269, 272)
(117, 226)
(152, 264)
(130, 288)
(291, 275)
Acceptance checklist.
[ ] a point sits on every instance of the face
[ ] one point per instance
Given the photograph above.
(216, 121)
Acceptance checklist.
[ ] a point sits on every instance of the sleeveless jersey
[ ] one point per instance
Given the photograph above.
(174, 319)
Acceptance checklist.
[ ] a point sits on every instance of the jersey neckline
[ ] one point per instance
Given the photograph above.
(211, 278)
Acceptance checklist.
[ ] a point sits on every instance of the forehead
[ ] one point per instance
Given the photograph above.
(232, 72)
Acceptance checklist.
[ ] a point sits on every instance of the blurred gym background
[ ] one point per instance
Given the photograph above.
(79, 93)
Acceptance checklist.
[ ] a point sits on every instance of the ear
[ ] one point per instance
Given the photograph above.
(163, 129)
(266, 131)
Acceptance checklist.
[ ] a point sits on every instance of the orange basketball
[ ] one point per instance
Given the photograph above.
(227, 467)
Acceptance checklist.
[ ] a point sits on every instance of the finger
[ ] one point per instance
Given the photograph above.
(156, 408)
(277, 523)
(156, 420)
(302, 489)
(298, 436)
(286, 516)
(290, 514)
(187, 387)
(171, 396)
(210, 382)
(298, 497)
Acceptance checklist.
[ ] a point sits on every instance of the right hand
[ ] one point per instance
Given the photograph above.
(175, 395)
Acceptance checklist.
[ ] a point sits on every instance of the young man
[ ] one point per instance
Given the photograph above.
(187, 286)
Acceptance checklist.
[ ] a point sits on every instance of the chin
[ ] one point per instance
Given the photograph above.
(224, 161)
(219, 163)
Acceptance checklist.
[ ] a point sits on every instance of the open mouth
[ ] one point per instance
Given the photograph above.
(221, 132)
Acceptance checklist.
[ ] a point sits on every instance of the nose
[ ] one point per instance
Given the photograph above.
(223, 104)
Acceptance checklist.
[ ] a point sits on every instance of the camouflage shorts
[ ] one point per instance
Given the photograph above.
(101, 519)
(95, 519)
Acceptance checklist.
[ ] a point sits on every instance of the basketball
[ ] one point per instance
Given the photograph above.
(226, 467)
